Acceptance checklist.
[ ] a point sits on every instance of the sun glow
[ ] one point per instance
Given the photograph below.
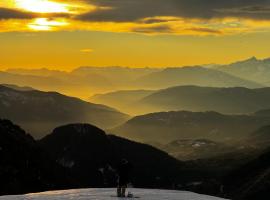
(42, 6)
(44, 24)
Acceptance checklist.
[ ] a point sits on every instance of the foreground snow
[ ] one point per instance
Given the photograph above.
(105, 194)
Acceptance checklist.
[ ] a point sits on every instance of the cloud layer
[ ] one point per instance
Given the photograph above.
(195, 17)
(133, 10)
(7, 13)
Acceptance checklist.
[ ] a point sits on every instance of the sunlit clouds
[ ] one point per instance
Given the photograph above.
(39, 15)
(42, 6)
(204, 17)
(45, 24)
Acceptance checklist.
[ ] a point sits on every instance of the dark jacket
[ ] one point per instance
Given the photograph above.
(123, 171)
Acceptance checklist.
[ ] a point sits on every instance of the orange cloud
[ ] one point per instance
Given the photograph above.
(86, 50)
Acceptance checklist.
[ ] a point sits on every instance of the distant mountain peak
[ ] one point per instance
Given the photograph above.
(251, 59)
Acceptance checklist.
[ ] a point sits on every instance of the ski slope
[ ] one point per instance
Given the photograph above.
(106, 194)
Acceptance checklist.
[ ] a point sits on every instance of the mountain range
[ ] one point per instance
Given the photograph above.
(194, 75)
(252, 69)
(85, 81)
(235, 100)
(165, 127)
(80, 82)
(82, 155)
(200, 128)
(39, 112)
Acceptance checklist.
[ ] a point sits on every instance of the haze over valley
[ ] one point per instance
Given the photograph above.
(84, 82)
(199, 125)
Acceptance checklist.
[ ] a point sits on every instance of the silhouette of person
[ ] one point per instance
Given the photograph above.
(123, 171)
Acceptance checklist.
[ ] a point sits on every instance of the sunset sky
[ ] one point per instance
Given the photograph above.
(64, 34)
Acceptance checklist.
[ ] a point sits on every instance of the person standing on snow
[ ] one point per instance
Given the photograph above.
(123, 171)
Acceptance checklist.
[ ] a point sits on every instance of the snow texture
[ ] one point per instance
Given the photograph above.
(106, 194)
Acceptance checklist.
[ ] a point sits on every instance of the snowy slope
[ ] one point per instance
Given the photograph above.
(105, 194)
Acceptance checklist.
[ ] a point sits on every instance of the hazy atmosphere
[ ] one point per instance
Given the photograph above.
(170, 96)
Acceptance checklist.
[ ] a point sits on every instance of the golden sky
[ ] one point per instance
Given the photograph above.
(64, 34)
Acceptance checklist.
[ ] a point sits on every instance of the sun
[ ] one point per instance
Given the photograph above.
(42, 6)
